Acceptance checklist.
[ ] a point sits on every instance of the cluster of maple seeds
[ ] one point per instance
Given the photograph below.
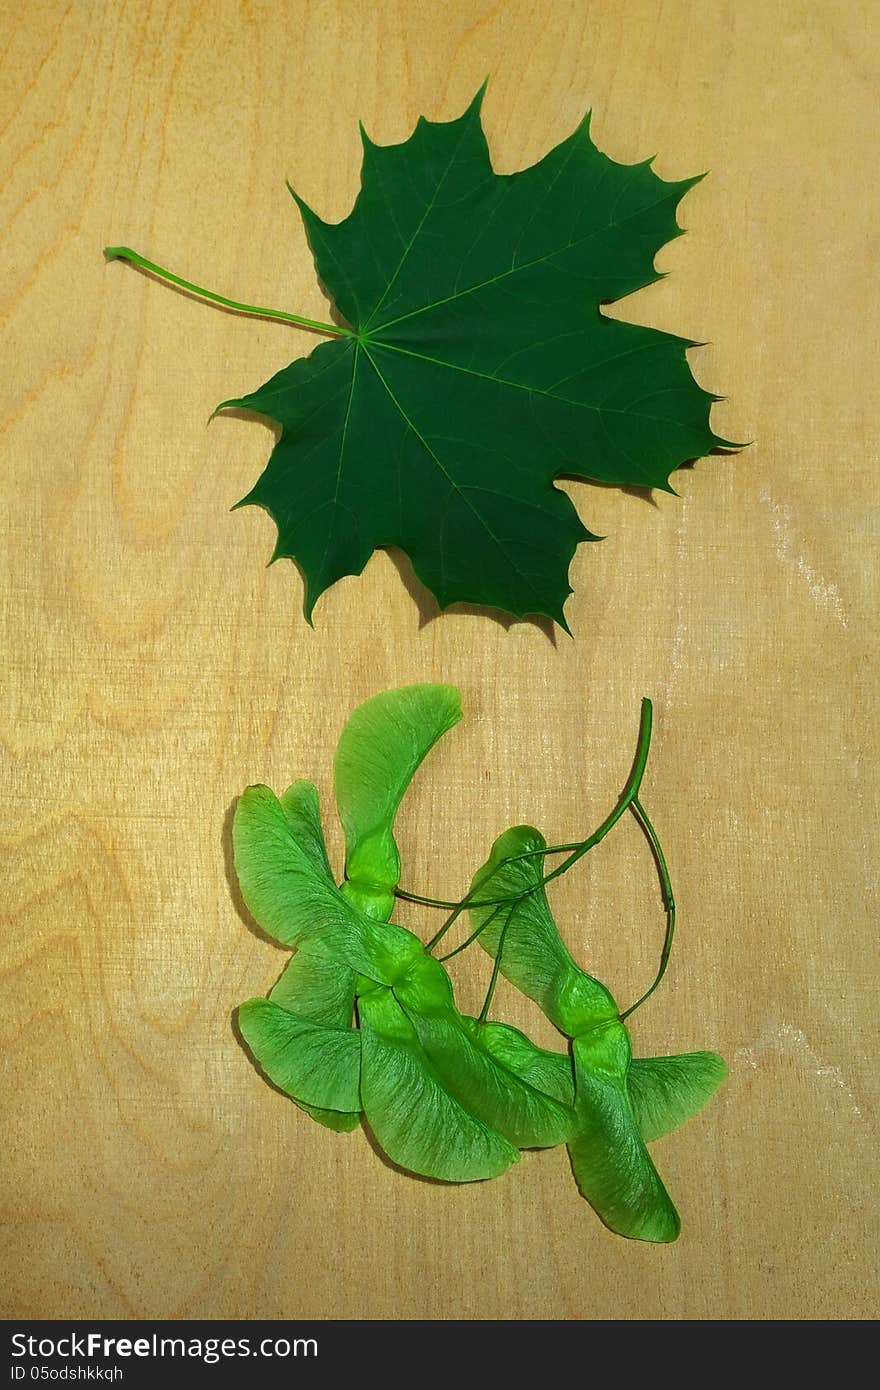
(363, 1020)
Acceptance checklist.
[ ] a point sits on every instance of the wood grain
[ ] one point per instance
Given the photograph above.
(153, 665)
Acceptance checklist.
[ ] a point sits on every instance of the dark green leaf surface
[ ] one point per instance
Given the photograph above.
(480, 368)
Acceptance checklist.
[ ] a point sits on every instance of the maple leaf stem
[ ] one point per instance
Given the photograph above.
(125, 253)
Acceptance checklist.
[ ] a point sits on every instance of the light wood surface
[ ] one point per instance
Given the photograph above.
(154, 666)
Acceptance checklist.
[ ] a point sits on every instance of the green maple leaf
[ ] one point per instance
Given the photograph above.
(475, 366)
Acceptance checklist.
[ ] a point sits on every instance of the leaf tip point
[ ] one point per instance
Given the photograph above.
(477, 102)
(719, 443)
(687, 184)
(583, 125)
(243, 502)
(231, 404)
(215, 412)
(309, 609)
(305, 211)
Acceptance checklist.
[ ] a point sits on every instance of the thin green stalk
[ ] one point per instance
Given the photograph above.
(582, 847)
(409, 897)
(124, 253)
(496, 968)
(405, 894)
(481, 928)
(668, 903)
(450, 920)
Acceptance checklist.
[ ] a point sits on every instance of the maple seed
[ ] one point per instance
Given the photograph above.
(472, 365)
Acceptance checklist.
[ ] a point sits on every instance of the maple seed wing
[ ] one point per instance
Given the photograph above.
(497, 1093)
(533, 955)
(482, 1082)
(313, 985)
(379, 751)
(415, 1119)
(611, 1165)
(666, 1091)
(550, 1072)
(303, 813)
(295, 901)
(308, 1061)
(318, 986)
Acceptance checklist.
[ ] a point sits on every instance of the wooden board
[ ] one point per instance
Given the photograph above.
(154, 666)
